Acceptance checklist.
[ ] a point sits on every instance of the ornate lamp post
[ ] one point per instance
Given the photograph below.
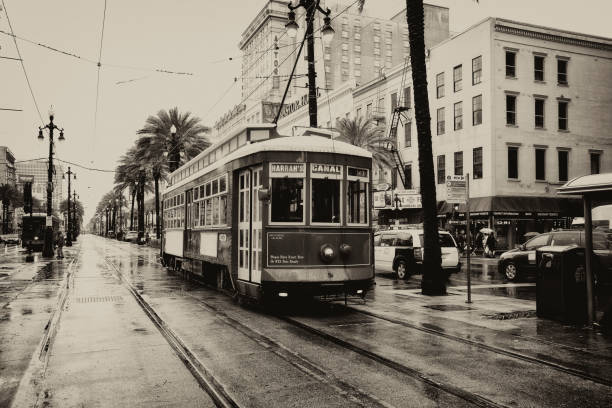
(69, 228)
(327, 33)
(48, 239)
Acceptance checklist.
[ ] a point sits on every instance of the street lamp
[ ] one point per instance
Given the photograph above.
(69, 235)
(173, 156)
(48, 239)
(327, 33)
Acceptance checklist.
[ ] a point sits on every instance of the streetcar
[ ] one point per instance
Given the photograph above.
(33, 230)
(269, 216)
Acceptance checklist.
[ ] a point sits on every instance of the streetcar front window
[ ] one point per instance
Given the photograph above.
(326, 201)
(357, 197)
(287, 200)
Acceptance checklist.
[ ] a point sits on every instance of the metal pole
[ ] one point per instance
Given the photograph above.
(312, 75)
(69, 226)
(588, 241)
(468, 238)
(74, 216)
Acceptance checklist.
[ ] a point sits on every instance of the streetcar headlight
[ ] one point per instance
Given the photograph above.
(327, 253)
(35, 238)
(283, 294)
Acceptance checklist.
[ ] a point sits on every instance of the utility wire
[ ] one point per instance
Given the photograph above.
(25, 73)
(95, 130)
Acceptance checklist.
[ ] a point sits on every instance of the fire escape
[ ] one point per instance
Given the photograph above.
(400, 116)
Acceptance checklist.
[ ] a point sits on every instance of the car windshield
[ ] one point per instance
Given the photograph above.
(537, 242)
(565, 238)
(445, 240)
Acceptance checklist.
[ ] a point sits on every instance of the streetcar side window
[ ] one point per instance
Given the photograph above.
(287, 204)
(357, 200)
(326, 201)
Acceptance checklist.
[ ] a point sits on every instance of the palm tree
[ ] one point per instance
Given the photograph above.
(8, 195)
(126, 176)
(162, 151)
(434, 280)
(366, 134)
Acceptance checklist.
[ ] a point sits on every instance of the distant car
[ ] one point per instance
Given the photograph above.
(521, 261)
(401, 252)
(10, 239)
(131, 236)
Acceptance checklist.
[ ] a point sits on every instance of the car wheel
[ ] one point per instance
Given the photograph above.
(511, 271)
(401, 270)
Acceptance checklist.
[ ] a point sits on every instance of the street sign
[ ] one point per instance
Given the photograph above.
(49, 221)
(456, 190)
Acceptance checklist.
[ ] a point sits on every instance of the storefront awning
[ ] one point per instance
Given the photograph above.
(519, 205)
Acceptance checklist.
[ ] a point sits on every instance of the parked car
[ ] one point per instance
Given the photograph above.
(401, 252)
(131, 236)
(521, 261)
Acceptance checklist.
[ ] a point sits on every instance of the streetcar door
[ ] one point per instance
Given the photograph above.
(256, 233)
(244, 225)
(249, 225)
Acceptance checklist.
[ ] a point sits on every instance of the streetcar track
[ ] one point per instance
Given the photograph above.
(202, 375)
(493, 349)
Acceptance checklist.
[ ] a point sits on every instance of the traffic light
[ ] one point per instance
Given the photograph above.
(27, 197)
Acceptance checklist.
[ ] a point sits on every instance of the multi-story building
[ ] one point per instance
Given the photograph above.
(362, 48)
(521, 109)
(38, 169)
(7, 166)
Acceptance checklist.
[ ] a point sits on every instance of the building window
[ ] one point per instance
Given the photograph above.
(477, 110)
(563, 115)
(393, 101)
(477, 70)
(539, 113)
(440, 85)
(441, 170)
(477, 163)
(563, 158)
(358, 112)
(369, 110)
(408, 176)
(540, 164)
(407, 100)
(457, 77)
(459, 116)
(458, 163)
(408, 134)
(538, 67)
(511, 64)
(441, 121)
(511, 110)
(562, 71)
(595, 162)
(512, 162)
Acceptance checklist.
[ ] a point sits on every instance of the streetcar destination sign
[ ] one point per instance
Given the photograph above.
(287, 170)
(326, 168)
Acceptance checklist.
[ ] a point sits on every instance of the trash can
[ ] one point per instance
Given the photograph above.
(561, 284)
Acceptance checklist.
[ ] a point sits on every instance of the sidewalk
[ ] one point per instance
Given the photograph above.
(106, 352)
(502, 323)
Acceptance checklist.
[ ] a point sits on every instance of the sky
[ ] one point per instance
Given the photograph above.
(195, 36)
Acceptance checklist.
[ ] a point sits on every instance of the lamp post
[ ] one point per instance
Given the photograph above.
(69, 235)
(48, 241)
(327, 33)
(140, 194)
(120, 217)
(106, 210)
(74, 215)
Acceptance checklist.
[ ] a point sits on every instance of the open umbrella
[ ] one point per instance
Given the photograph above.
(487, 231)
(529, 235)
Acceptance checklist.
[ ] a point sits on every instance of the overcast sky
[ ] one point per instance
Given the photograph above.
(196, 36)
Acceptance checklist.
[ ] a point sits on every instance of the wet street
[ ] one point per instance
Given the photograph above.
(109, 326)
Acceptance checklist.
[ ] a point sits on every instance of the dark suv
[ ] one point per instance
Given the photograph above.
(521, 261)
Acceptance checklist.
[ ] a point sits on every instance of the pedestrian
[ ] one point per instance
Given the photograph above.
(478, 244)
(461, 241)
(60, 245)
(490, 245)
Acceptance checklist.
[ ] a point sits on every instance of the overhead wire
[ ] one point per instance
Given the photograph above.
(95, 130)
(25, 73)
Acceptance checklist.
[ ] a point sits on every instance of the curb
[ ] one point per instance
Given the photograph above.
(28, 391)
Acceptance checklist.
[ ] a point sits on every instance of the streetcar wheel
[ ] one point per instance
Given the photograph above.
(511, 271)
(402, 270)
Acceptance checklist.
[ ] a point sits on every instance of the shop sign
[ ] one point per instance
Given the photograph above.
(506, 213)
(397, 199)
(357, 172)
(548, 214)
(287, 170)
(333, 169)
(382, 187)
(382, 199)
(288, 109)
(456, 189)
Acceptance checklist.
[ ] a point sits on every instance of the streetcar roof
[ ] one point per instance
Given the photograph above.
(315, 144)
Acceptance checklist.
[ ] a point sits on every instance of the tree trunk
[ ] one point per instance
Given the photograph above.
(157, 226)
(132, 210)
(434, 281)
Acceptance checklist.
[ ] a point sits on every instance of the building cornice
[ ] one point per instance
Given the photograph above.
(558, 36)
